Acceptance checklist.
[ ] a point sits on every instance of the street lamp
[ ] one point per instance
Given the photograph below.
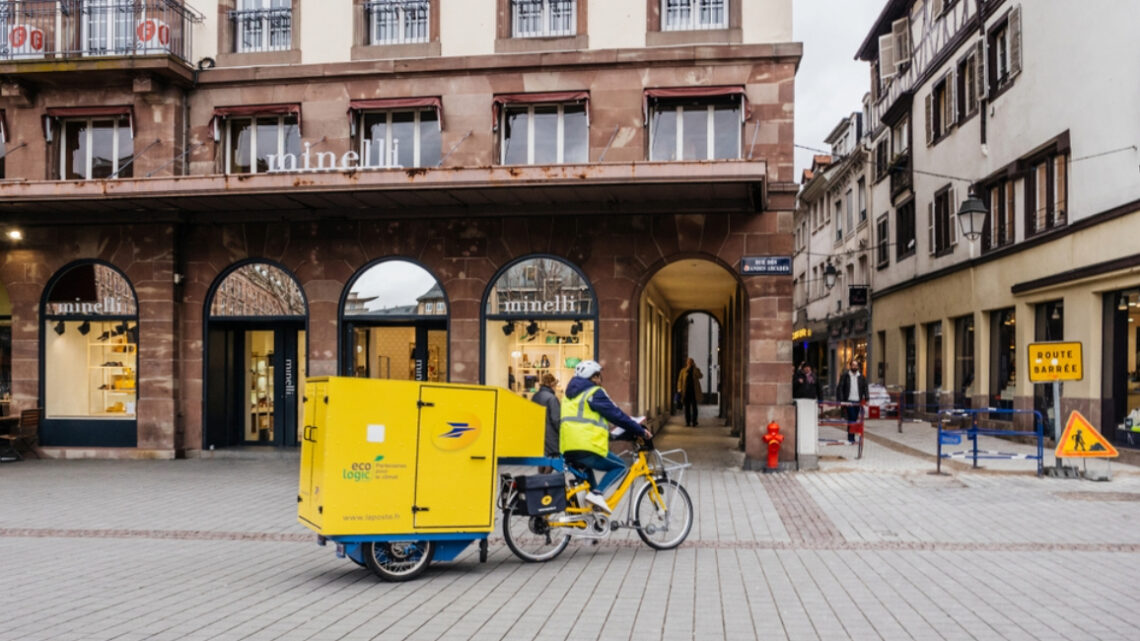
(972, 217)
(829, 275)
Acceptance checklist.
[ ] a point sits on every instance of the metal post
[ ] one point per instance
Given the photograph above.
(938, 468)
(974, 437)
(1057, 418)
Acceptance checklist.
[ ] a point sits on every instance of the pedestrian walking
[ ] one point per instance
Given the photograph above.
(689, 387)
(805, 384)
(546, 397)
(853, 392)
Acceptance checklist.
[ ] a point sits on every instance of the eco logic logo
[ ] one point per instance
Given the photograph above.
(459, 434)
(362, 470)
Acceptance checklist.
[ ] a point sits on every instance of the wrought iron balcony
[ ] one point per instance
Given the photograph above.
(46, 30)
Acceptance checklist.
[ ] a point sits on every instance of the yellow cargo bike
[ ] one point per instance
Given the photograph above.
(399, 473)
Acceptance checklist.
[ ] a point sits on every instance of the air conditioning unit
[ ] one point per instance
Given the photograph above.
(25, 41)
(153, 36)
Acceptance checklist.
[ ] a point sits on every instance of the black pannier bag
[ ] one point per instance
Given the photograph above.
(543, 493)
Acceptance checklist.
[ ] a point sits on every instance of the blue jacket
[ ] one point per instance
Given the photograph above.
(600, 402)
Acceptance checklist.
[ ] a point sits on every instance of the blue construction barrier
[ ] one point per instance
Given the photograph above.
(954, 436)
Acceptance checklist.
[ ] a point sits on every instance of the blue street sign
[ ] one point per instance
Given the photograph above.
(766, 265)
(950, 439)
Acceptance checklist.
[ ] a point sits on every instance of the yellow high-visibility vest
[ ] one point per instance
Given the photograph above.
(582, 428)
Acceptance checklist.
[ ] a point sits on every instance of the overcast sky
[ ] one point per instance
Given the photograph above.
(830, 83)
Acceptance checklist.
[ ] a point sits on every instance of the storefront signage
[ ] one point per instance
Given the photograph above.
(562, 304)
(313, 161)
(108, 306)
(857, 295)
(766, 265)
(290, 386)
(1050, 362)
(801, 334)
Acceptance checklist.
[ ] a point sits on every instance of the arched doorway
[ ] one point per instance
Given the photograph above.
(255, 357)
(692, 307)
(89, 358)
(393, 320)
(540, 316)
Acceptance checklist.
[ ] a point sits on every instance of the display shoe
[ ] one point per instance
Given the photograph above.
(104, 336)
(598, 501)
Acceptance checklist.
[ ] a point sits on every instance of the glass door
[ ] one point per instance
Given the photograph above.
(260, 379)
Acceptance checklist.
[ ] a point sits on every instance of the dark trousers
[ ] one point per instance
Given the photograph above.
(851, 413)
(690, 410)
(611, 464)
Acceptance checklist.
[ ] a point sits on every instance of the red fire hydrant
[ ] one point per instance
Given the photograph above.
(773, 438)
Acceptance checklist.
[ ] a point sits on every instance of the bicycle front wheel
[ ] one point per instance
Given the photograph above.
(664, 520)
(530, 537)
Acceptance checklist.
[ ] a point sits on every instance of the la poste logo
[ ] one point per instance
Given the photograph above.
(458, 433)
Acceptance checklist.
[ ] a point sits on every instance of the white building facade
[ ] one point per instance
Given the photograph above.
(1001, 99)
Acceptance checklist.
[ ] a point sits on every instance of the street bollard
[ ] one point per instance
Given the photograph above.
(773, 438)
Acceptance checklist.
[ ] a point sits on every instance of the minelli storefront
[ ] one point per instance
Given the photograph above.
(424, 225)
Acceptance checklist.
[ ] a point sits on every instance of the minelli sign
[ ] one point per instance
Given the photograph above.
(107, 306)
(561, 304)
(314, 161)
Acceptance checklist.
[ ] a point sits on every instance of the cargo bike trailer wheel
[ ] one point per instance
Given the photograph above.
(397, 560)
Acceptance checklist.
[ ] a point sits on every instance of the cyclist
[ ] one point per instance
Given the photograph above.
(584, 435)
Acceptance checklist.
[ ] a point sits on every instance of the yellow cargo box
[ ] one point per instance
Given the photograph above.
(402, 457)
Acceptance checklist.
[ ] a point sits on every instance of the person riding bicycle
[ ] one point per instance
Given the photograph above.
(584, 435)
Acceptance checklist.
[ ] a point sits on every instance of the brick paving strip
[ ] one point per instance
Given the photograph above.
(817, 543)
(804, 520)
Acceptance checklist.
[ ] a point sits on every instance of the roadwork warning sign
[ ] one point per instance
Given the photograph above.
(1081, 440)
(1050, 362)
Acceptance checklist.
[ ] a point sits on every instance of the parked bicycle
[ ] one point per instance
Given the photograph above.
(540, 518)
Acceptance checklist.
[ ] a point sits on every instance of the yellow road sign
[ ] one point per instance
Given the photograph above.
(1081, 440)
(1050, 362)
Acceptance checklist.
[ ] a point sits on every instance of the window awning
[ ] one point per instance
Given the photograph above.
(667, 93)
(92, 112)
(388, 104)
(285, 109)
(536, 98)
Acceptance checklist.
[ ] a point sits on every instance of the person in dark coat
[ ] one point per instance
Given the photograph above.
(853, 392)
(805, 384)
(689, 387)
(546, 397)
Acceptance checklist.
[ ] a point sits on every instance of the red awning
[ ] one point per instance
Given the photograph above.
(93, 112)
(286, 109)
(665, 93)
(388, 104)
(536, 98)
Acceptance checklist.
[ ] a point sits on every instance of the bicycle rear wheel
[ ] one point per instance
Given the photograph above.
(530, 537)
(665, 526)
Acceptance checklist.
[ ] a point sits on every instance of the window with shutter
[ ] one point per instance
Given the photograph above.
(929, 120)
(1015, 41)
(886, 57)
(951, 102)
(900, 30)
(980, 75)
(930, 227)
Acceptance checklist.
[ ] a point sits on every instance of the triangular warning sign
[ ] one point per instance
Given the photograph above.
(1081, 440)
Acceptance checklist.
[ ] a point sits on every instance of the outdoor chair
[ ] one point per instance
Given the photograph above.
(24, 435)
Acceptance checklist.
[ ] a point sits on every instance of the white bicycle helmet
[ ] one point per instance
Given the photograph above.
(586, 369)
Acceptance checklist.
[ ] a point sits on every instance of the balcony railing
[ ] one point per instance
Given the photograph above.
(48, 29)
(258, 30)
(901, 176)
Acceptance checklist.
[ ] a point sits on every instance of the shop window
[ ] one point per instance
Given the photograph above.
(398, 21)
(904, 230)
(262, 25)
(96, 148)
(400, 138)
(1121, 355)
(544, 134)
(261, 143)
(690, 15)
(1049, 326)
(395, 324)
(933, 366)
(258, 289)
(964, 361)
(1003, 361)
(540, 318)
(90, 345)
(543, 18)
(695, 129)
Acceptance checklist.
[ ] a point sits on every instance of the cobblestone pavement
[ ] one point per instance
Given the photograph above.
(875, 548)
